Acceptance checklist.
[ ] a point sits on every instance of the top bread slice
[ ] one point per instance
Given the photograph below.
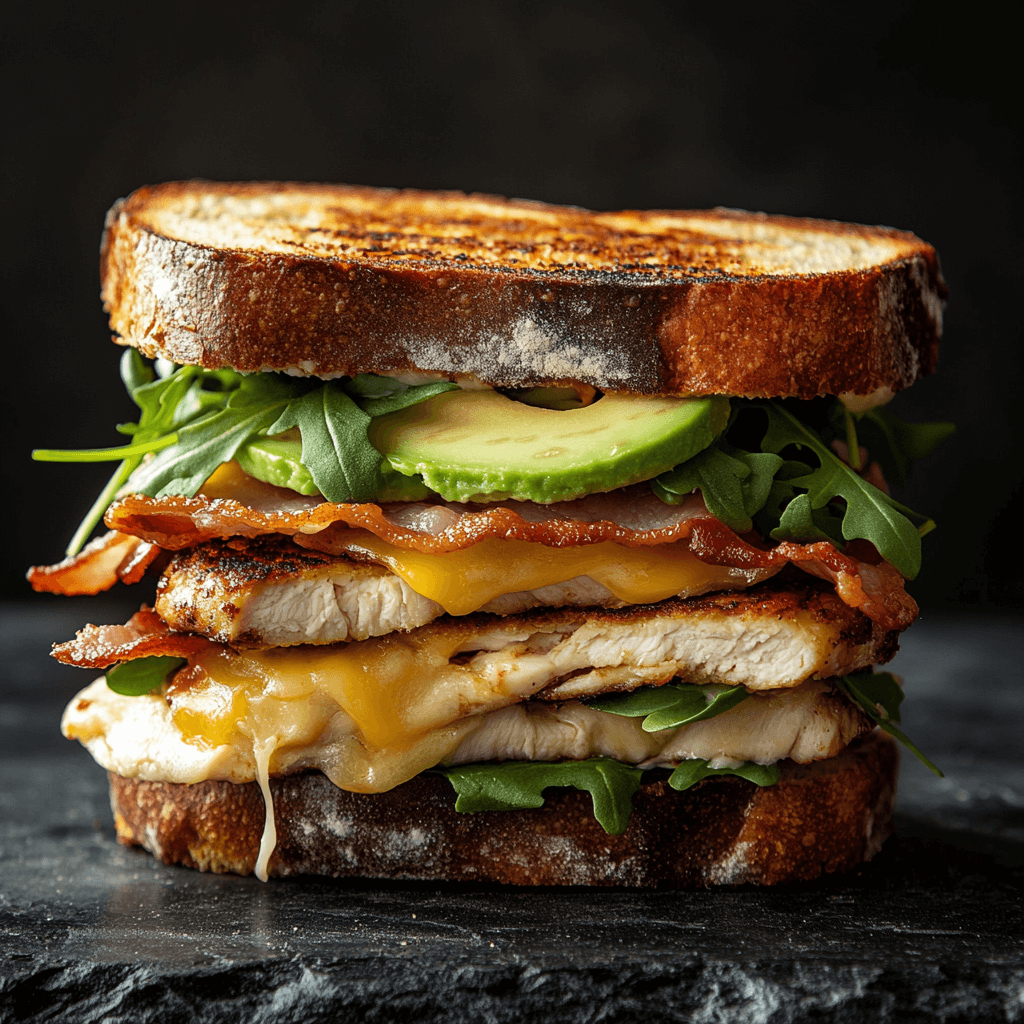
(337, 279)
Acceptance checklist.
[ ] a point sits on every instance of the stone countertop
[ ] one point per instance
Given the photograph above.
(932, 929)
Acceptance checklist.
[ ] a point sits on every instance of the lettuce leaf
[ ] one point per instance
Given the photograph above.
(880, 695)
(141, 676)
(671, 705)
(519, 785)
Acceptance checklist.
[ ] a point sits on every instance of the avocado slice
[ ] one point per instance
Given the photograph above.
(483, 446)
(278, 461)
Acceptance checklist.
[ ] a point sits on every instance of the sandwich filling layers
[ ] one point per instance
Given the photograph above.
(374, 641)
(269, 593)
(372, 714)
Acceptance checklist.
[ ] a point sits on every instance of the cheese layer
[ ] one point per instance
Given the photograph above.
(468, 580)
(270, 593)
(143, 736)
(395, 705)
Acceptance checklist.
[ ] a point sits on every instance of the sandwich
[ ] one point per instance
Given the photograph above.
(500, 541)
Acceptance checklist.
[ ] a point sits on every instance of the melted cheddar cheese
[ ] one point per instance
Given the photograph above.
(465, 581)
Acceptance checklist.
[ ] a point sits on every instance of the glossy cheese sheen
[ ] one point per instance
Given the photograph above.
(393, 688)
(387, 706)
(465, 581)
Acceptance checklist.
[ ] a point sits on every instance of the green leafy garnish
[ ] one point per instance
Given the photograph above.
(519, 785)
(213, 435)
(870, 513)
(193, 420)
(335, 448)
(750, 477)
(880, 695)
(671, 705)
(735, 483)
(141, 676)
(690, 772)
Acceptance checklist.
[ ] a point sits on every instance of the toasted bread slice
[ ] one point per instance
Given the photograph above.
(334, 279)
(828, 816)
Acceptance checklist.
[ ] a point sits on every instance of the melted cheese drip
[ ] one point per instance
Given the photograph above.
(264, 750)
(464, 581)
(402, 703)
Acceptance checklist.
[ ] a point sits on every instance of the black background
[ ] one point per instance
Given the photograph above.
(895, 114)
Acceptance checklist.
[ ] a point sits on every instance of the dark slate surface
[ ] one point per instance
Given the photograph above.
(931, 930)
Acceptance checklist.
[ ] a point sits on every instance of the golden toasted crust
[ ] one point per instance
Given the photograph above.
(828, 816)
(334, 279)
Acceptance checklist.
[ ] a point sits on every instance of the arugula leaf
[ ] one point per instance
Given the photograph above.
(883, 691)
(335, 448)
(852, 444)
(870, 514)
(735, 483)
(880, 695)
(801, 521)
(214, 437)
(402, 399)
(518, 785)
(749, 479)
(672, 704)
(690, 772)
(135, 371)
(370, 385)
(193, 420)
(141, 676)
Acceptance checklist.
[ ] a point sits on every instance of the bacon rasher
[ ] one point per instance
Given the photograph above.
(235, 505)
(144, 635)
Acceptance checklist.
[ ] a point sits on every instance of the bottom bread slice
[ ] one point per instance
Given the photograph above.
(827, 816)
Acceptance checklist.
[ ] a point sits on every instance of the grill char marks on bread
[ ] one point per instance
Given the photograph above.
(328, 279)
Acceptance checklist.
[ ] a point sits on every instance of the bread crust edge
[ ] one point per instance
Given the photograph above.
(799, 335)
(825, 817)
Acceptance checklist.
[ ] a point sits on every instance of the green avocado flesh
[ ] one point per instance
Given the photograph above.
(480, 445)
(278, 461)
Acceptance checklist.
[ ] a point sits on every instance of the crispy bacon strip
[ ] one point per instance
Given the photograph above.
(144, 635)
(235, 505)
(633, 516)
(876, 589)
(97, 567)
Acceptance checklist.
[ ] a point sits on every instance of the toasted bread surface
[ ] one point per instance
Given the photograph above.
(334, 279)
(829, 816)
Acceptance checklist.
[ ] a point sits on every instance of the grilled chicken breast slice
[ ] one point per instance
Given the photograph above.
(268, 592)
(137, 737)
(807, 723)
